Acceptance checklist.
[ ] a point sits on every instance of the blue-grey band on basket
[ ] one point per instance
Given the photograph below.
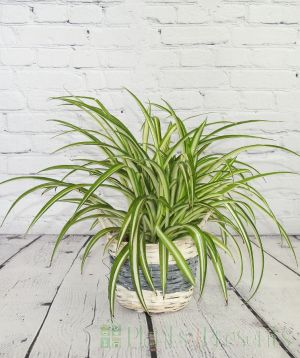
(176, 282)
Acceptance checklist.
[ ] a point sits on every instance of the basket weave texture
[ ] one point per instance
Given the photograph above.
(179, 291)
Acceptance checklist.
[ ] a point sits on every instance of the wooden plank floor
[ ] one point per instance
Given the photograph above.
(57, 312)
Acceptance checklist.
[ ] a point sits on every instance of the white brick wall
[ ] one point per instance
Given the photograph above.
(230, 59)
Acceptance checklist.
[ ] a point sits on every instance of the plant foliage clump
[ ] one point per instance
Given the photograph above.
(171, 183)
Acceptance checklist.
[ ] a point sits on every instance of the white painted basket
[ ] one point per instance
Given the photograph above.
(156, 303)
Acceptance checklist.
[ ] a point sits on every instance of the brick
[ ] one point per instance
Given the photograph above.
(117, 58)
(17, 56)
(25, 121)
(268, 14)
(263, 36)
(289, 101)
(84, 58)
(196, 57)
(85, 14)
(108, 79)
(3, 170)
(221, 99)
(294, 59)
(121, 13)
(16, 14)
(194, 35)
(161, 14)
(272, 57)
(148, 78)
(95, 79)
(54, 79)
(263, 79)
(192, 79)
(8, 36)
(39, 100)
(112, 37)
(118, 79)
(161, 58)
(35, 35)
(153, 36)
(6, 79)
(43, 143)
(232, 57)
(3, 122)
(25, 208)
(291, 141)
(50, 13)
(33, 163)
(229, 13)
(192, 15)
(185, 99)
(14, 143)
(11, 100)
(53, 57)
(255, 100)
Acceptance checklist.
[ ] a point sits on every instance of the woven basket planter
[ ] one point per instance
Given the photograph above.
(179, 290)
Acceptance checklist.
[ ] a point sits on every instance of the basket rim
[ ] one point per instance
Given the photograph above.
(185, 244)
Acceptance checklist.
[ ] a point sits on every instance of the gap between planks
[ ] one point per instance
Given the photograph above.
(261, 320)
(288, 260)
(19, 250)
(279, 262)
(152, 343)
(27, 355)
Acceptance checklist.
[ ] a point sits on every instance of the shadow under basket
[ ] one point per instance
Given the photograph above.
(179, 290)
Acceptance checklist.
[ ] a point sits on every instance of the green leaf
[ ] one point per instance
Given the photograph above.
(217, 263)
(134, 250)
(98, 183)
(27, 192)
(54, 200)
(144, 263)
(169, 182)
(114, 273)
(199, 238)
(94, 240)
(180, 260)
(163, 263)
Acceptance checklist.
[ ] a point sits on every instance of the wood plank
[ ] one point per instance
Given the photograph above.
(78, 311)
(274, 246)
(28, 287)
(277, 301)
(209, 328)
(239, 331)
(186, 333)
(79, 325)
(11, 245)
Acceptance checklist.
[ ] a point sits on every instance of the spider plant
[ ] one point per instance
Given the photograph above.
(171, 182)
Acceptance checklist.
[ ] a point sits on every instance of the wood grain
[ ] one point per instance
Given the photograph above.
(209, 328)
(277, 300)
(280, 250)
(79, 325)
(57, 312)
(11, 245)
(28, 287)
